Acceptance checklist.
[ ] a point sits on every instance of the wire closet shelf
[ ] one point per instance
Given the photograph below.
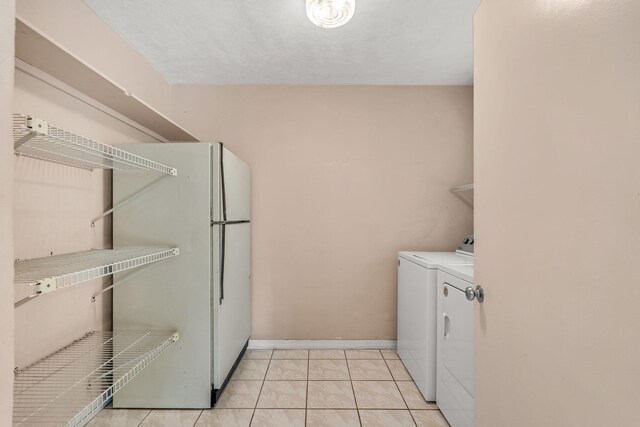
(54, 272)
(38, 138)
(72, 385)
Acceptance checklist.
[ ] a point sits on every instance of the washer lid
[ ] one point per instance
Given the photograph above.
(434, 259)
(464, 272)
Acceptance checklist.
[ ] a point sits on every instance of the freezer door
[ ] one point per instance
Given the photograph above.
(231, 242)
(236, 176)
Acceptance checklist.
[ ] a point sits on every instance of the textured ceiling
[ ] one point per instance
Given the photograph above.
(388, 42)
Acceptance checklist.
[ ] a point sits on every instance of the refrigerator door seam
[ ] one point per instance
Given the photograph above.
(242, 221)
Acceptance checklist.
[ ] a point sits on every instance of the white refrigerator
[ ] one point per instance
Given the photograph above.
(204, 293)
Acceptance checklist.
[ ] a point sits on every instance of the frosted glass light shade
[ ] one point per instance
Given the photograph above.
(330, 13)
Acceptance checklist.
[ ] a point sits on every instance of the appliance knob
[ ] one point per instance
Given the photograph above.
(471, 295)
(477, 293)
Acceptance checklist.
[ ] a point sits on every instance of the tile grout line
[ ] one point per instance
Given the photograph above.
(264, 378)
(199, 415)
(145, 417)
(410, 380)
(395, 382)
(306, 401)
(353, 390)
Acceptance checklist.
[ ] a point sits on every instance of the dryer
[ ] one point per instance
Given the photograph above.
(455, 360)
(417, 315)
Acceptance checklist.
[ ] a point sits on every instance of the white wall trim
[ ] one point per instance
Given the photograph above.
(321, 344)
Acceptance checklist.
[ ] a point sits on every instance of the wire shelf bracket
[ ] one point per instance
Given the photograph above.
(123, 280)
(49, 274)
(38, 138)
(72, 385)
(461, 188)
(464, 193)
(127, 200)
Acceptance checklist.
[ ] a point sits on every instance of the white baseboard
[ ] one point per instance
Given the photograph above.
(321, 344)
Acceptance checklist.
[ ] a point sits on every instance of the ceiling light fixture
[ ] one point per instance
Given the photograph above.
(330, 13)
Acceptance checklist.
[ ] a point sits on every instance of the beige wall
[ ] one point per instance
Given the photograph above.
(343, 178)
(7, 12)
(557, 143)
(75, 27)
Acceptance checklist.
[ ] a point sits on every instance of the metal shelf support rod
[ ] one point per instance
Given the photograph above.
(24, 139)
(466, 187)
(25, 300)
(128, 199)
(120, 282)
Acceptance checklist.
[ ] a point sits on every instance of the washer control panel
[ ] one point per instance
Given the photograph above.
(466, 245)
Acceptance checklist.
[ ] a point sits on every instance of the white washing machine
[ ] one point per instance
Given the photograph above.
(454, 389)
(417, 295)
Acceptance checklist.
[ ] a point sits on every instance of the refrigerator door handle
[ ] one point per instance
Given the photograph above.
(223, 197)
(243, 221)
(223, 244)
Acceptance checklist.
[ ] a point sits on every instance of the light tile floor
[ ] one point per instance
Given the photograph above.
(315, 388)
